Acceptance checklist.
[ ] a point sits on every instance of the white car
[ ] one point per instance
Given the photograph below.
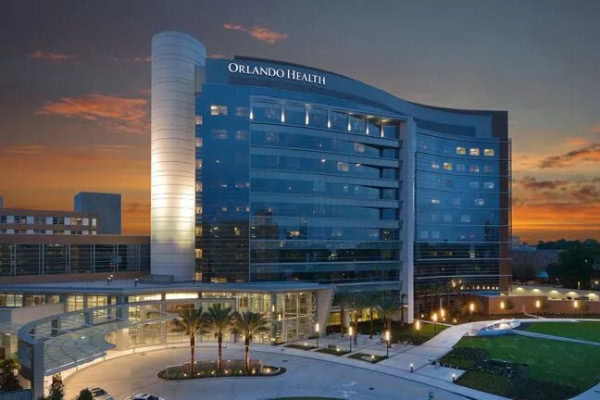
(100, 394)
(144, 396)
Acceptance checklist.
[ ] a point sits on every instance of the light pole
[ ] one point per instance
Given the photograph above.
(387, 347)
(350, 332)
(434, 318)
(317, 332)
(471, 309)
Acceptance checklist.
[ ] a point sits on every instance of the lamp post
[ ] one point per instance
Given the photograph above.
(471, 309)
(412, 368)
(350, 332)
(317, 332)
(434, 318)
(387, 346)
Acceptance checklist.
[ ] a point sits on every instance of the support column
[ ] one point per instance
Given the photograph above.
(37, 370)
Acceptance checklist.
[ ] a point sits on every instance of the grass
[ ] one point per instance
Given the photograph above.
(584, 330)
(301, 346)
(338, 352)
(410, 334)
(371, 358)
(491, 383)
(566, 363)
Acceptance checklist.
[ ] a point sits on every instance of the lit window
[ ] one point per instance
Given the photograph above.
(198, 119)
(474, 168)
(241, 111)
(488, 185)
(359, 147)
(473, 151)
(198, 253)
(218, 110)
(199, 163)
(461, 151)
(342, 166)
(199, 142)
(488, 152)
(220, 134)
(479, 202)
(198, 187)
(465, 218)
(435, 165)
(435, 201)
(448, 166)
(241, 135)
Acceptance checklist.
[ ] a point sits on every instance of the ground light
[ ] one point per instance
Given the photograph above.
(412, 367)
(471, 309)
(434, 318)
(387, 347)
(317, 332)
(418, 325)
(350, 332)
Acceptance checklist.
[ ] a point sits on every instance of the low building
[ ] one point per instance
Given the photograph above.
(106, 205)
(47, 222)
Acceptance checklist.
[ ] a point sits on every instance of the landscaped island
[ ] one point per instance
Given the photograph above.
(208, 369)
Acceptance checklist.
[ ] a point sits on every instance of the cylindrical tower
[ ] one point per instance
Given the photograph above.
(175, 58)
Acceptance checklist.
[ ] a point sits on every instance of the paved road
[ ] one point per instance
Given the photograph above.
(304, 377)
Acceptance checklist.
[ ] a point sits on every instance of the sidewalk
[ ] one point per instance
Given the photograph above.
(428, 378)
(552, 337)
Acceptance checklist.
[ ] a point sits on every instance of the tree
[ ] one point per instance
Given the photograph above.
(524, 272)
(344, 301)
(402, 298)
(85, 394)
(9, 370)
(249, 324)
(575, 267)
(387, 307)
(219, 321)
(191, 322)
(57, 388)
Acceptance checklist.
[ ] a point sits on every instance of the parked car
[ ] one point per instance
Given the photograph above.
(100, 394)
(144, 396)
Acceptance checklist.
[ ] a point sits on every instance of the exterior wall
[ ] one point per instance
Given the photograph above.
(46, 255)
(35, 222)
(551, 292)
(527, 304)
(176, 58)
(106, 205)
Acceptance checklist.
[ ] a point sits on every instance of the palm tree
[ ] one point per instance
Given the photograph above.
(219, 321)
(371, 301)
(344, 301)
(249, 324)
(387, 307)
(191, 322)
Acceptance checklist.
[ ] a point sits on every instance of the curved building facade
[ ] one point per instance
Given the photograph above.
(177, 58)
(306, 175)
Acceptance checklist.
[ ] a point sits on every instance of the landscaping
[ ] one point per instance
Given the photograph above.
(208, 369)
(525, 368)
(333, 351)
(582, 330)
(372, 358)
(301, 346)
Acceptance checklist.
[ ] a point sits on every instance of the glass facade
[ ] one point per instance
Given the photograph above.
(295, 191)
(462, 230)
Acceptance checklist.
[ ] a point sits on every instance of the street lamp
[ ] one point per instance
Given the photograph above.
(418, 325)
(317, 332)
(471, 309)
(387, 348)
(434, 318)
(412, 367)
(350, 332)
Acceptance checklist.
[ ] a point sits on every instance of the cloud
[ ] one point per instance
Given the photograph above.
(595, 129)
(258, 32)
(59, 58)
(578, 141)
(23, 150)
(129, 60)
(532, 183)
(590, 153)
(123, 114)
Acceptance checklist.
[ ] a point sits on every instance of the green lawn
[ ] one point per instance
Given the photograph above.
(584, 330)
(549, 360)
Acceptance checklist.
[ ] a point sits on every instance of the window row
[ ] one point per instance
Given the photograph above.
(452, 147)
(47, 232)
(302, 232)
(323, 165)
(323, 255)
(458, 233)
(306, 142)
(442, 181)
(323, 210)
(323, 189)
(323, 118)
(41, 220)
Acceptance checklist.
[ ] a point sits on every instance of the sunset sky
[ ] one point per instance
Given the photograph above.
(75, 80)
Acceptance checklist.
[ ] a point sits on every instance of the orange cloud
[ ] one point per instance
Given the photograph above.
(578, 142)
(59, 58)
(123, 114)
(595, 129)
(590, 153)
(258, 32)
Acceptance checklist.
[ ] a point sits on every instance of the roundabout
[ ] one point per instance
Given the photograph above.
(304, 377)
